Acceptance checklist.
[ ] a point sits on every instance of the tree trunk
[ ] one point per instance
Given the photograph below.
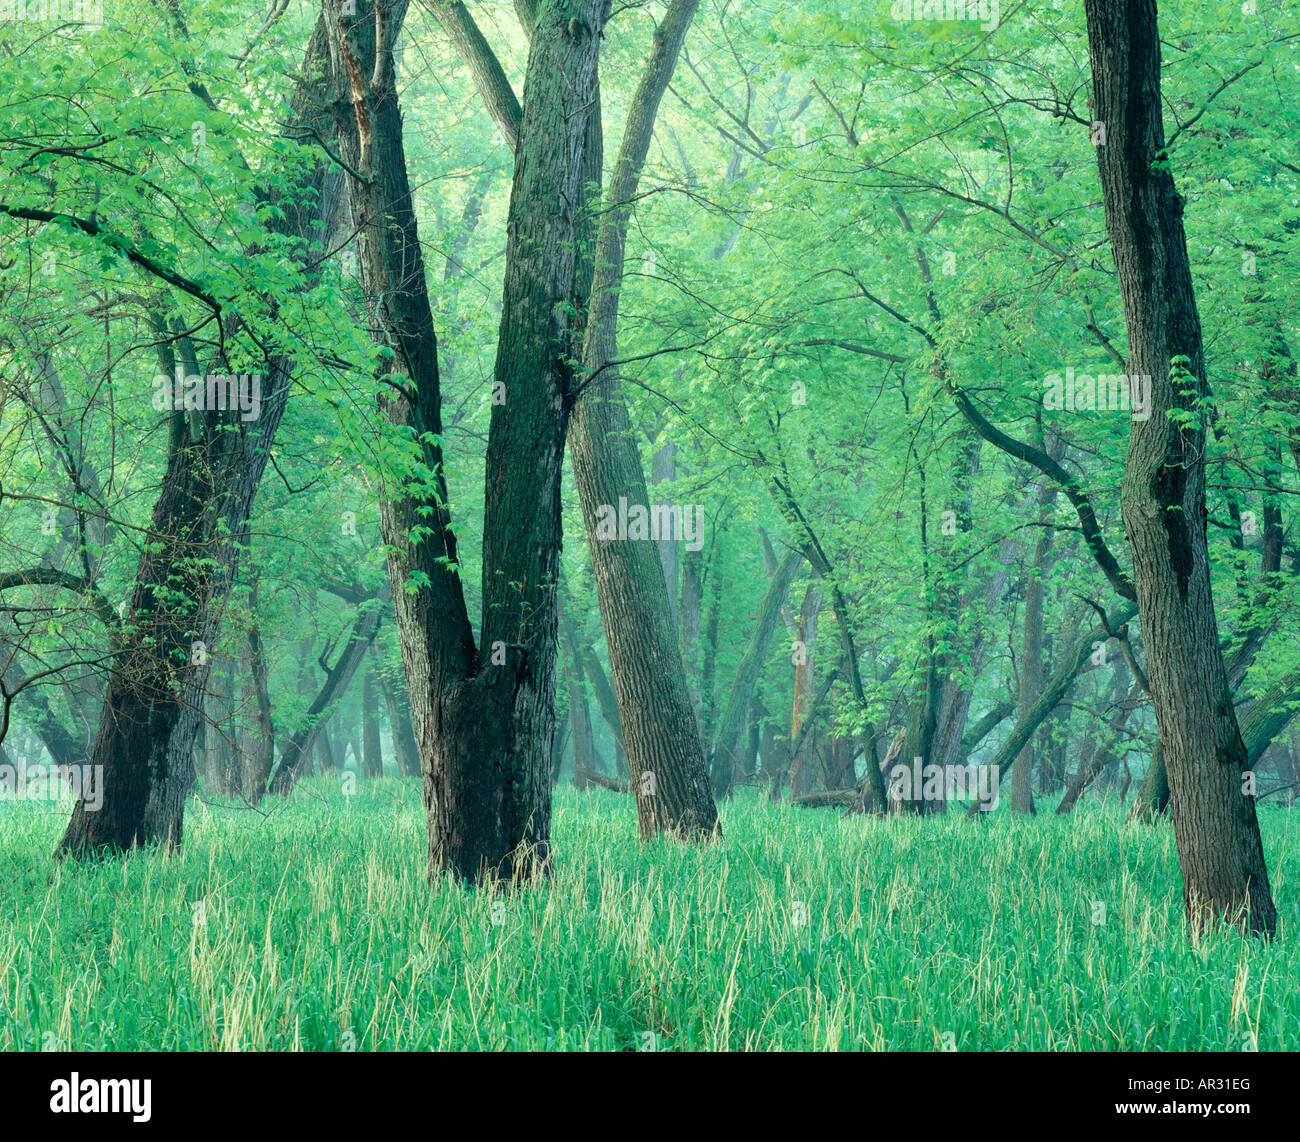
(1031, 653)
(1163, 500)
(372, 756)
(722, 765)
(664, 749)
(800, 770)
(484, 714)
(295, 754)
(159, 667)
(405, 753)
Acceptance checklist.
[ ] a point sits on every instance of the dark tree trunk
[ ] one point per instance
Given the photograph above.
(159, 667)
(1163, 501)
(484, 714)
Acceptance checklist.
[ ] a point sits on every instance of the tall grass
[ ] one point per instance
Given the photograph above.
(311, 927)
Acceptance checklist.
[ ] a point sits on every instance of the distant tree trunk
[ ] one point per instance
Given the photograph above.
(749, 757)
(372, 756)
(1163, 500)
(663, 469)
(1056, 687)
(1152, 800)
(1031, 652)
(262, 761)
(692, 611)
(605, 700)
(723, 762)
(295, 754)
(800, 771)
(768, 761)
(557, 747)
(405, 753)
(584, 751)
(324, 753)
(1100, 755)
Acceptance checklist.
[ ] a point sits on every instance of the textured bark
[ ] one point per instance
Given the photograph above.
(660, 733)
(668, 770)
(484, 714)
(485, 70)
(154, 697)
(1164, 495)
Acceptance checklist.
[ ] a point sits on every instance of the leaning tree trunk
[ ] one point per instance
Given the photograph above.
(159, 665)
(732, 724)
(1164, 497)
(295, 755)
(664, 751)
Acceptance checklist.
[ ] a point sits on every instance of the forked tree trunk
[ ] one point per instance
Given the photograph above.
(484, 714)
(1164, 496)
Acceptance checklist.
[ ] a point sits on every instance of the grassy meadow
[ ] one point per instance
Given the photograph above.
(310, 926)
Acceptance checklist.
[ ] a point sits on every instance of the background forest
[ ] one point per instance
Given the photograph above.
(802, 325)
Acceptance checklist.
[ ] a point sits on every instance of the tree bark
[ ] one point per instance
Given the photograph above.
(665, 753)
(1164, 495)
(484, 714)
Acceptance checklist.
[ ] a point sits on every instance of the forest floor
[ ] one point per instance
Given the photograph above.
(311, 926)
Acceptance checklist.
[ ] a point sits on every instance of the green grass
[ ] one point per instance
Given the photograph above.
(802, 930)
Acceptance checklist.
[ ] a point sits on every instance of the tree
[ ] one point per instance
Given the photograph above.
(1164, 496)
(484, 711)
